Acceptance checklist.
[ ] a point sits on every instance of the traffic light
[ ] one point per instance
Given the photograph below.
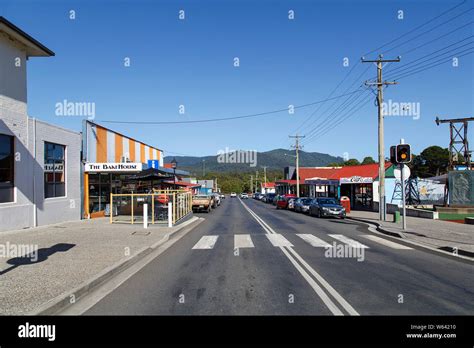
(393, 154)
(403, 153)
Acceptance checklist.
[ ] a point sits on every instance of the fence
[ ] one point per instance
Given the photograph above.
(129, 208)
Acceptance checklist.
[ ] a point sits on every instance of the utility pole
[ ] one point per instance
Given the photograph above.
(458, 140)
(380, 84)
(256, 181)
(203, 168)
(251, 183)
(265, 174)
(297, 148)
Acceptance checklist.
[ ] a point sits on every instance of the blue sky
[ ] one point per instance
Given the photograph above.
(282, 62)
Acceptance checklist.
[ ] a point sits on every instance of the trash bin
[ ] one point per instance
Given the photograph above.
(396, 216)
(346, 204)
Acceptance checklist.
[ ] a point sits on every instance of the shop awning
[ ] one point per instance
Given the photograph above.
(151, 174)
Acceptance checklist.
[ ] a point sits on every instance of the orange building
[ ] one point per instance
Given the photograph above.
(109, 159)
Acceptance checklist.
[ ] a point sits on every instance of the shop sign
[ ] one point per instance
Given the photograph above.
(51, 168)
(356, 180)
(113, 167)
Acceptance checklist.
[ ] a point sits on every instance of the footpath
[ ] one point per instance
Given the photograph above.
(73, 256)
(438, 234)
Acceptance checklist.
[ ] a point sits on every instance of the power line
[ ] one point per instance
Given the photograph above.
(429, 67)
(411, 64)
(396, 39)
(414, 29)
(232, 117)
(428, 31)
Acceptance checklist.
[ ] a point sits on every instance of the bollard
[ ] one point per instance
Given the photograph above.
(170, 214)
(145, 215)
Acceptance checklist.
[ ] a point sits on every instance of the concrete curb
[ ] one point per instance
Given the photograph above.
(463, 255)
(62, 301)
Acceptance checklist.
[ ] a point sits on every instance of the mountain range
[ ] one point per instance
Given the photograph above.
(229, 162)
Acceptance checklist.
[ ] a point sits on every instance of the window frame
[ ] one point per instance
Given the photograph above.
(11, 185)
(54, 162)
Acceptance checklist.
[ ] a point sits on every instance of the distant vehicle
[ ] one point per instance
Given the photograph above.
(269, 197)
(202, 203)
(291, 204)
(222, 196)
(259, 196)
(233, 194)
(244, 195)
(282, 201)
(326, 206)
(216, 199)
(302, 204)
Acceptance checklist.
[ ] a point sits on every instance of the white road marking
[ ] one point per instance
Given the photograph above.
(206, 242)
(314, 241)
(319, 291)
(348, 241)
(243, 241)
(278, 240)
(386, 242)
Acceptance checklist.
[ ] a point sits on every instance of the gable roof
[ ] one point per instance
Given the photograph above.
(34, 48)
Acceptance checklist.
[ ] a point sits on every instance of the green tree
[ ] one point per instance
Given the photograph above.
(432, 161)
(352, 162)
(368, 160)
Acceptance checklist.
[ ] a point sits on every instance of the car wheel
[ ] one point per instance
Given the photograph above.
(319, 213)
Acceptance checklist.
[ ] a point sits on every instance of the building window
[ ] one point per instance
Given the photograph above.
(6, 168)
(54, 170)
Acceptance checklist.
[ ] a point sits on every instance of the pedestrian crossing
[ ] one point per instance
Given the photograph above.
(244, 241)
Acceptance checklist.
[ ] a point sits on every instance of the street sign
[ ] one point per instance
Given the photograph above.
(154, 164)
(398, 173)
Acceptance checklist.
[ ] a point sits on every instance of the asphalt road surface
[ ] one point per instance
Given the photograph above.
(248, 258)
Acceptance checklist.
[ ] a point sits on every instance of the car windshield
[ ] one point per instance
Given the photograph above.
(327, 201)
(306, 200)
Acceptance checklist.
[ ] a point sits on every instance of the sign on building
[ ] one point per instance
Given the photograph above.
(113, 167)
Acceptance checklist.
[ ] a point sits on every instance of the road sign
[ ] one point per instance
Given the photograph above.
(406, 173)
(153, 164)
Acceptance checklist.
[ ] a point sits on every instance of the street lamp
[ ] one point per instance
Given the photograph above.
(174, 164)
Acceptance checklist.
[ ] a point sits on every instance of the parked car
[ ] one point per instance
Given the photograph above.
(260, 196)
(202, 203)
(282, 201)
(291, 204)
(233, 195)
(222, 196)
(302, 204)
(326, 206)
(269, 197)
(244, 195)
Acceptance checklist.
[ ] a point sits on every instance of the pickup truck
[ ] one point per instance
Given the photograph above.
(202, 203)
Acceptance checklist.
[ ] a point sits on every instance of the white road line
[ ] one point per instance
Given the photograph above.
(386, 242)
(314, 241)
(206, 242)
(243, 241)
(278, 240)
(316, 287)
(348, 241)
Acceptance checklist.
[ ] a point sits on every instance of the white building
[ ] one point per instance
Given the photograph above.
(39, 162)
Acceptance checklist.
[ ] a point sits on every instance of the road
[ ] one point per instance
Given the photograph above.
(248, 258)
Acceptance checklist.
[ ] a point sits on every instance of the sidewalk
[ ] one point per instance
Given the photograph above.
(437, 234)
(69, 254)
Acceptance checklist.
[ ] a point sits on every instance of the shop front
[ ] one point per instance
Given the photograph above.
(111, 164)
(359, 190)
